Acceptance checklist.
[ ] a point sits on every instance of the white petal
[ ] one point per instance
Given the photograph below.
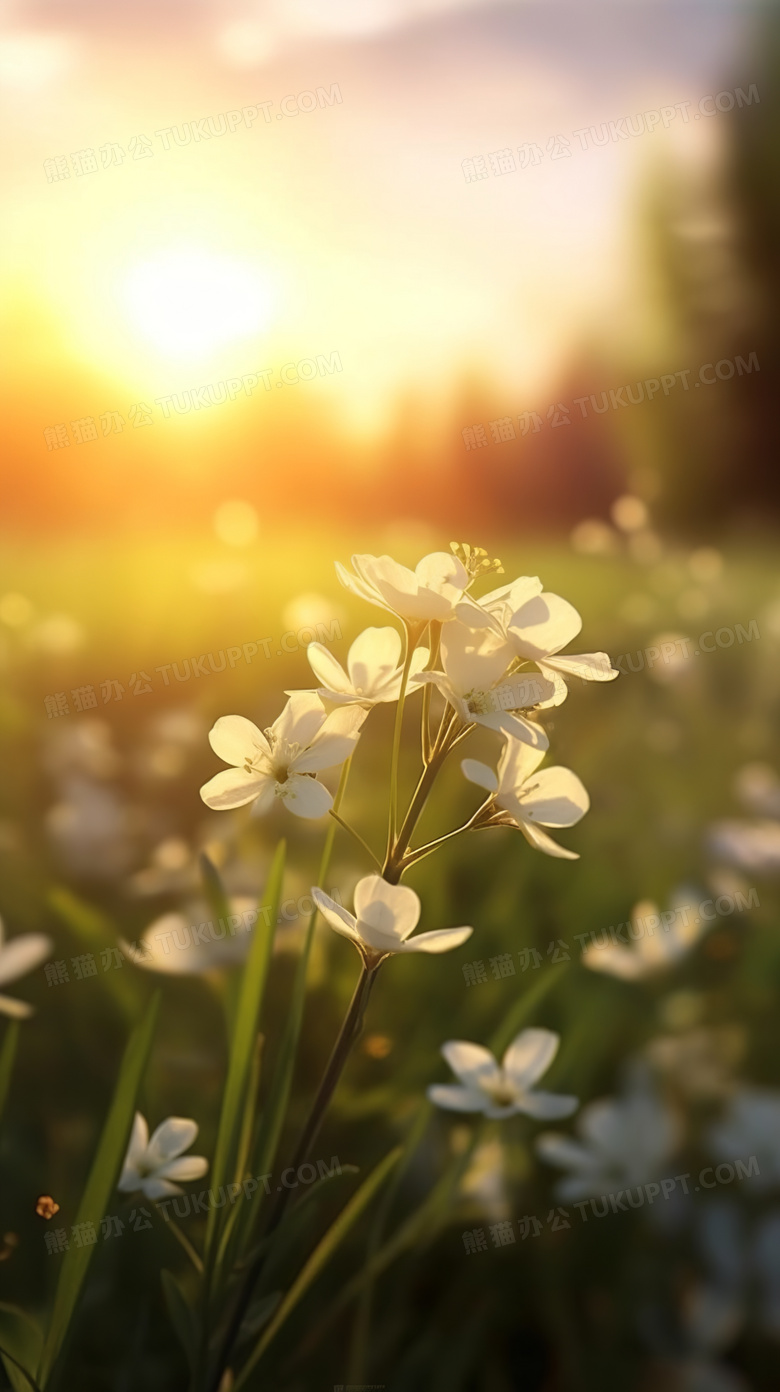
(156, 1189)
(558, 1149)
(300, 720)
(187, 1168)
(440, 570)
(473, 614)
(327, 670)
(440, 940)
(373, 657)
(21, 955)
(480, 774)
(393, 910)
(515, 727)
(529, 1056)
(305, 796)
(555, 797)
(327, 750)
(473, 1064)
(150, 953)
(518, 761)
(523, 690)
(560, 689)
(514, 595)
(542, 842)
(587, 666)
(172, 1137)
(548, 1106)
(234, 787)
(15, 1009)
(235, 739)
(622, 962)
(607, 1125)
(473, 661)
(456, 1099)
(339, 919)
(139, 1139)
(358, 586)
(543, 625)
(130, 1180)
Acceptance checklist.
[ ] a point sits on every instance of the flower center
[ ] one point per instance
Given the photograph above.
(501, 1092)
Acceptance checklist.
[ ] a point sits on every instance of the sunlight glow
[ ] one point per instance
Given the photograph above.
(187, 301)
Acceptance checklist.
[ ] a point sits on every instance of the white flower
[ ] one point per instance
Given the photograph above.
(555, 797)
(374, 669)
(475, 685)
(539, 626)
(751, 1126)
(193, 943)
(385, 917)
(279, 762)
(506, 1089)
(657, 944)
(435, 589)
(751, 846)
(18, 957)
(151, 1166)
(625, 1142)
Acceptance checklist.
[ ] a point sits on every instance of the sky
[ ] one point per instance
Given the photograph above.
(351, 221)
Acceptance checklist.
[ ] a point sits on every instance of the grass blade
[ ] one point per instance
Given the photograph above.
(182, 1316)
(20, 1347)
(100, 1184)
(243, 1046)
(320, 1257)
(7, 1057)
(524, 1008)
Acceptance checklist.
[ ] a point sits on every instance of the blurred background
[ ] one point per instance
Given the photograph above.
(283, 281)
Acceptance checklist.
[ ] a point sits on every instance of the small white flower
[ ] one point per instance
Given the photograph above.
(656, 947)
(475, 685)
(625, 1142)
(555, 797)
(385, 917)
(506, 1089)
(18, 957)
(539, 627)
(750, 846)
(152, 1166)
(374, 669)
(435, 589)
(194, 943)
(280, 762)
(751, 1126)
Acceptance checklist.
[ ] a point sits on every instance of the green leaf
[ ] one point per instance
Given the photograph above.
(96, 931)
(320, 1257)
(100, 1184)
(243, 1046)
(213, 888)
(7, 1057)
(20, 1346)
(182, 1316)
(88, 923)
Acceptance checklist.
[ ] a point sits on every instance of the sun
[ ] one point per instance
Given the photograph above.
(186, 302)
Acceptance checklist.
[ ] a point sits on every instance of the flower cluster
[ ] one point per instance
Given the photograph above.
(497, 661)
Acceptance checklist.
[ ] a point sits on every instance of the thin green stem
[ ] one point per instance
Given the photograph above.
(420, 852)
(394, 862)
(357, 837)
(186, 1244)
(412, 633)
(426, 740)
